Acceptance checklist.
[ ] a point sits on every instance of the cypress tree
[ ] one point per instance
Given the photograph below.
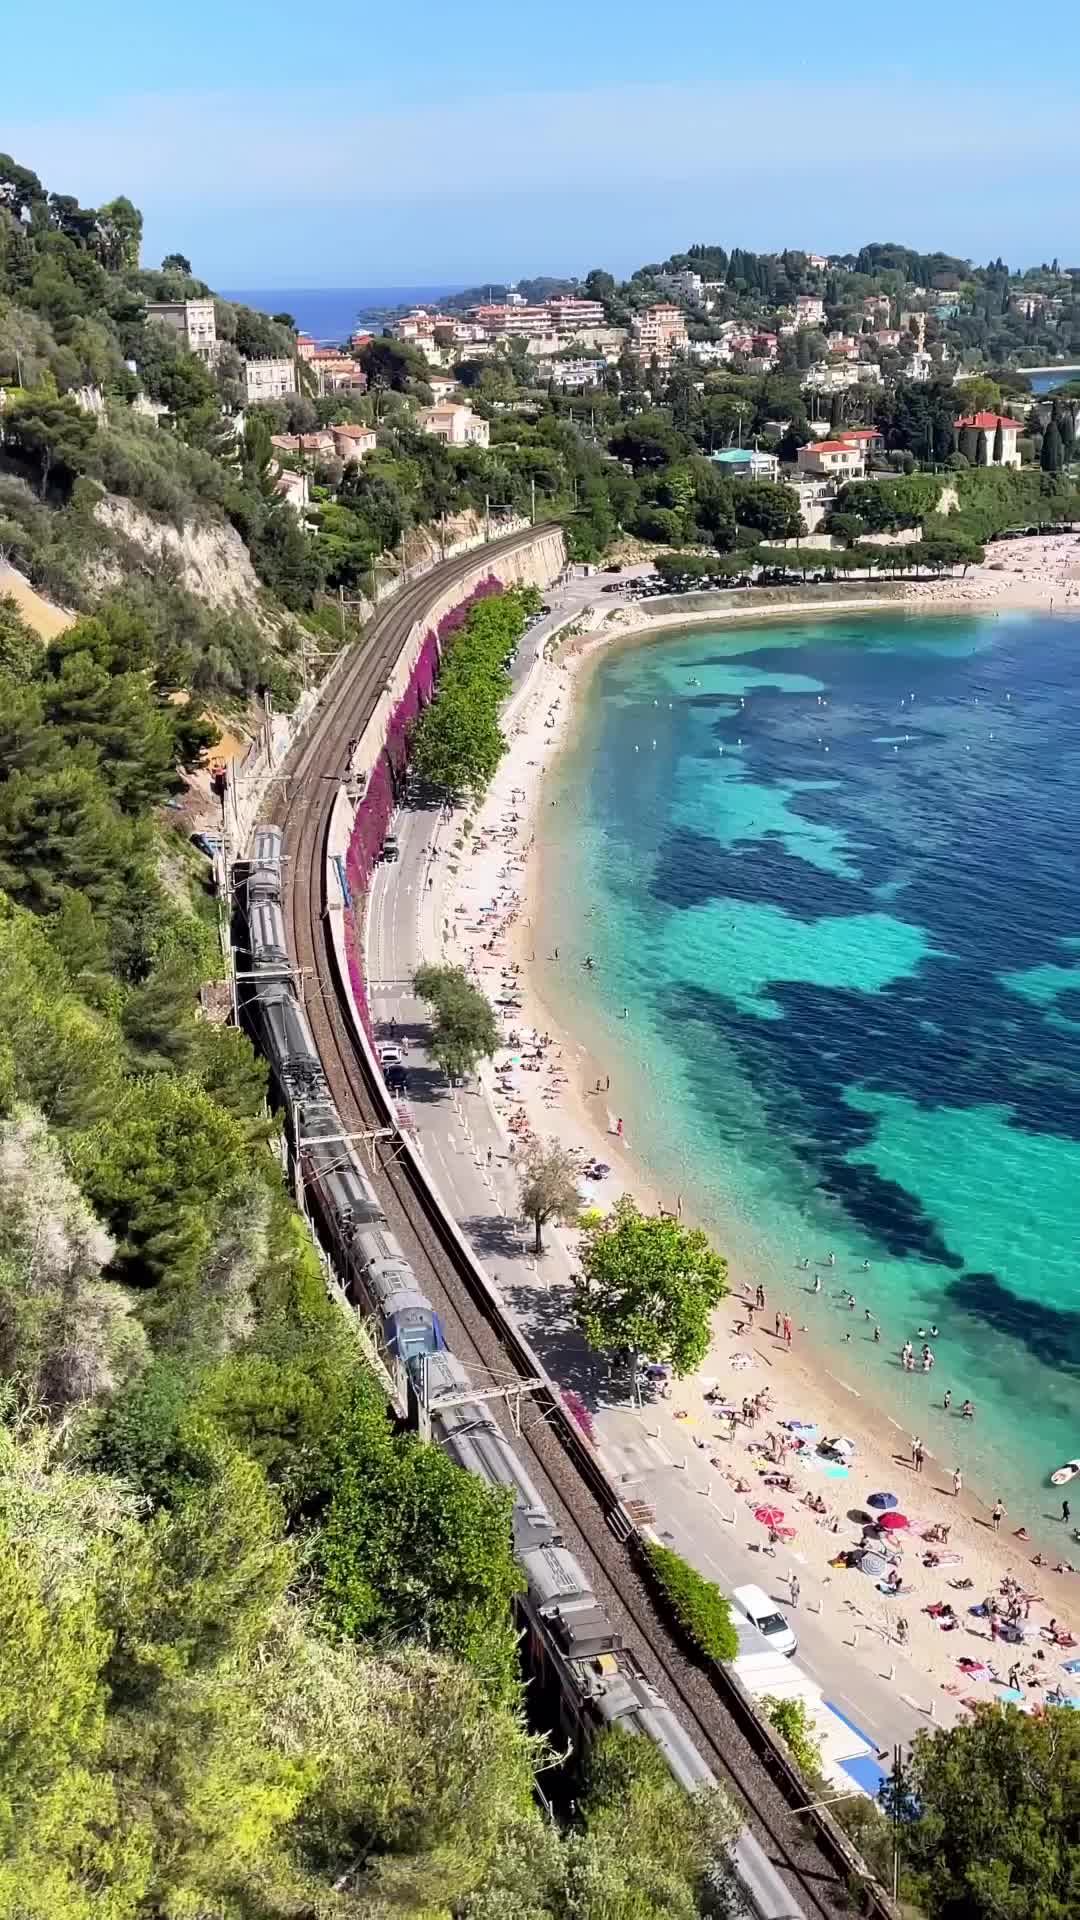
(999, 444)
(1052, 458)
(982, 457)
(1067, 431)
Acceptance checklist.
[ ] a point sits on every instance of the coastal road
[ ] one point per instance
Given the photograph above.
(862, 1674)
(814, 1865)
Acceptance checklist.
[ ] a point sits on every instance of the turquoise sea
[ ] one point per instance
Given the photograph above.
(829, 870)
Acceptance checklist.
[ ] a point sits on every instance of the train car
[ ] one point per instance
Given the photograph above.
(264, 871)
(375, 1273)
(472, 1437)
(290, 1044)
(268, 948)
(583, 1664)
(411, 1327)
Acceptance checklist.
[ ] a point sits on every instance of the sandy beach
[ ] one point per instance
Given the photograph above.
(487, 889)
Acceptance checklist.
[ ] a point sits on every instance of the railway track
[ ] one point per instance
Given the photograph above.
(818, 1880)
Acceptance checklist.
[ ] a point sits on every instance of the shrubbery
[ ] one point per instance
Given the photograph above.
(457, 744)
(700, 1608)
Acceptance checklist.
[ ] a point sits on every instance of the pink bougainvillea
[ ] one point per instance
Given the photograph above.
(575, 1405)
(375, 811)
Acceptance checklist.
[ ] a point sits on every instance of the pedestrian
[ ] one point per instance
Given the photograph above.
(968, 1409)
(877, 1336)
(832, 1259)
(761, 1296)
(817, 1283)
(490, 1155)
(795, 1589)
(776, 1327)
(996, 1512)
(920, 1455)
(947, 1401)
(618, 1128)
(957, 1482)
(607, 1083)
(915, 1445)
(787, 1329)
(1065, 1511)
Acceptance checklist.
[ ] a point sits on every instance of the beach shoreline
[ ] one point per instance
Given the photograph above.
(563, 1100)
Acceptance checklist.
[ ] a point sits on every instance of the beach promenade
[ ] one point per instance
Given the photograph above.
(468, 902)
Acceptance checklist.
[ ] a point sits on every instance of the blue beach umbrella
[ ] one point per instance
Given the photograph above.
(882, 1500)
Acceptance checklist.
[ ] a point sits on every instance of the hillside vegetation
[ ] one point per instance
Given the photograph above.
(258, 1656)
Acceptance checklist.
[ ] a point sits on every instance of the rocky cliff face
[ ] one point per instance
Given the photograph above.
(210, 560)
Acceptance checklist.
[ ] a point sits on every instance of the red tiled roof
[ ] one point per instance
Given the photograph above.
(861, 433)
(830, 446)
(989, 421)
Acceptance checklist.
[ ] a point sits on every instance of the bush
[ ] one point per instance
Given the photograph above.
(700, 1608)
(792, 1722)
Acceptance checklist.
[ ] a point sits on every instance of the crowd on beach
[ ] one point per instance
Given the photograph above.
(777, 1440)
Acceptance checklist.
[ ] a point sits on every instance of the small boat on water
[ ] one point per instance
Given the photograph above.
(1068, 1472)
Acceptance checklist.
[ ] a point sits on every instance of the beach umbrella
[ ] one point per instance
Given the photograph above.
(875, 1564)
(769, 1516)
(884, 1500)
(893, 1522)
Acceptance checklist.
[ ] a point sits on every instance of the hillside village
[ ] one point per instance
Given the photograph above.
(728, 401)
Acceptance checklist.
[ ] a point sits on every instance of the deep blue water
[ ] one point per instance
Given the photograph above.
(834, 885)
(333, 313)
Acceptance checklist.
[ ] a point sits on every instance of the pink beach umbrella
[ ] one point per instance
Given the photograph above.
(893, 1522)
(769, 1516)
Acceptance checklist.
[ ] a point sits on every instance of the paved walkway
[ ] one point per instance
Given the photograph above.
(651, 1456)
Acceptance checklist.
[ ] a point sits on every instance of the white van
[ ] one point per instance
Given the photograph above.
(764, 1614)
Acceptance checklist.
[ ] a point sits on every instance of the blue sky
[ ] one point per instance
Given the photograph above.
(283, 146)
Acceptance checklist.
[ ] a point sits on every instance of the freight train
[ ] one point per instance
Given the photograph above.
(578, 1662)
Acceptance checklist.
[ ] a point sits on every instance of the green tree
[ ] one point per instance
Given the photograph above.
(649, 1850)
(847, 527)
(998, 1832)
(52, 435)
(177, 263)
(647, 1286)
(415, 1548)
(119, 235)
(771, 510)
(464, 1029)
(162, 1170)
(978, 394)
(1052, 457)
(549, 1186)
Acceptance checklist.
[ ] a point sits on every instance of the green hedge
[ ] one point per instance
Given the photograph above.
(699, 1606)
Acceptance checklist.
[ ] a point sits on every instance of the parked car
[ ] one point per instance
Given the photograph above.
(389, 1053)
(765, 1615)
(390, 848)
